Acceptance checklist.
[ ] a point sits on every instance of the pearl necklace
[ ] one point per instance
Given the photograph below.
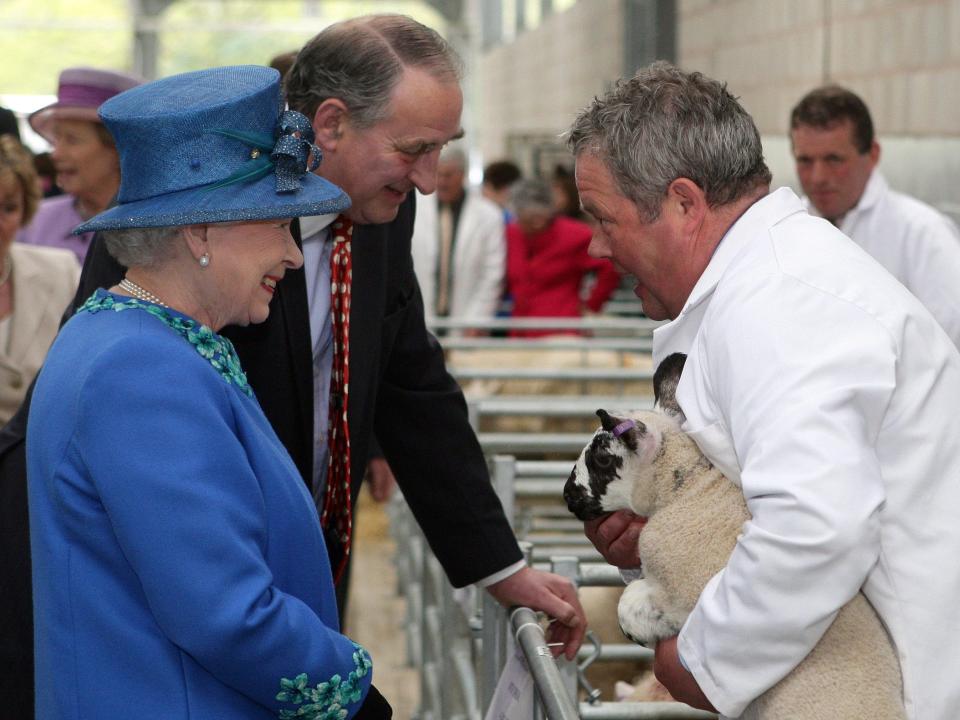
(138, 292)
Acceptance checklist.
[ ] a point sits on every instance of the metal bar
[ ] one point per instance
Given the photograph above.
(599, 575)
(585, 374)
(572, 443)
(642, 711)
(559, 468)
(540, 488)
(543, 538)
(558, 405)
(615, 652)
(568, 567)
(543, 668)
(503, 483)
(628, 326)
(494, 648)
(572, 342)
(467, 681)
(556, 524)
(585, 554)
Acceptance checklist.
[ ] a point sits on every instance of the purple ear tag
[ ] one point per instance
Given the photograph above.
(623, 427)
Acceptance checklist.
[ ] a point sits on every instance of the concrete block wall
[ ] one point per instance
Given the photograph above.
(534, 86)
(902, 56)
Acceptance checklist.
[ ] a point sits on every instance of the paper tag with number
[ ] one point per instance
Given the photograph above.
(513, 697)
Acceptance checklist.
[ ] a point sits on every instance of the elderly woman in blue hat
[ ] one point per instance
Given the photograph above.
(179, 566)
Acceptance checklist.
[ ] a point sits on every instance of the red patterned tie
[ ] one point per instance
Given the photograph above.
(337, 516)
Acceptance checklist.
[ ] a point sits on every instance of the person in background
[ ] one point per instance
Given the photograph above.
(46, 174)
(36, 283)
(458, 246)
(9, 124)
(547, 261)
(813, 380)
(85, 158)
(836, 156)
(179, 563)
(283, 62)
(498, 178)
(566, 199)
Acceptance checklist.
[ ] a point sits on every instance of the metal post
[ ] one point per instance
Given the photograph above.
(494, 648)
(568, 567)
(504, 473)
(546, 676)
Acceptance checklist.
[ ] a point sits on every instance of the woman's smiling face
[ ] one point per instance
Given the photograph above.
(247, 260)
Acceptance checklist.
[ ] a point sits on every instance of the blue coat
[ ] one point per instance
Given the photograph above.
(178, 563)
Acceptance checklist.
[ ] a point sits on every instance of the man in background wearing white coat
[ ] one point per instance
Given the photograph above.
(459, 248)
(813, 380)
(836, 154)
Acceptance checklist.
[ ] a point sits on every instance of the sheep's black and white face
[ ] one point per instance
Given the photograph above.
(620, 455)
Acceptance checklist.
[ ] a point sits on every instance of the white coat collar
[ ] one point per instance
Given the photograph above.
(873, 193)
(678, 334)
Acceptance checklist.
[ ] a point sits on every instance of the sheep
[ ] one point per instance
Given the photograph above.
(643, 462)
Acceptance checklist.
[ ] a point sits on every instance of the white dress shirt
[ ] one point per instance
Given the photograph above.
(315, 234)
(828, 393)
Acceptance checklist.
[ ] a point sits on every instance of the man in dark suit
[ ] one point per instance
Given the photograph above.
(383, 96)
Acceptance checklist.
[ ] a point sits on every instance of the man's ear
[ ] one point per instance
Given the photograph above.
(687, 200)
(196, 238)
(665, 380)
(329, 122)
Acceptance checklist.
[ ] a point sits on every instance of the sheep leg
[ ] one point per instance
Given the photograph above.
(646, 615)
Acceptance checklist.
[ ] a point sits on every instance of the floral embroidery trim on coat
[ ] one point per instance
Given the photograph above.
(214, 348)
(328, 700)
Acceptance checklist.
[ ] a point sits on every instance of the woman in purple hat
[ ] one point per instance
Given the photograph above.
(84, 155)
(179, 566)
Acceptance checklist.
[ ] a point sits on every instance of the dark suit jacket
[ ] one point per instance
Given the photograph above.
(399, 389)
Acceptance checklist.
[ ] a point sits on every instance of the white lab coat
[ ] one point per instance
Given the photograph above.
(829, 394)
(917, 244)
(479, 256)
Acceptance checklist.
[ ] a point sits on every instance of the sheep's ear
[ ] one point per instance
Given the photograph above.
(665, 381)
(625, 429)
(607, 421)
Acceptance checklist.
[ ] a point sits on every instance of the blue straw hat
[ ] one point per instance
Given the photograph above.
(212, 146)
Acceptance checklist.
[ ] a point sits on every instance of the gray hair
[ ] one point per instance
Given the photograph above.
(360, 62)
(531, 195)
(663, 124)
(141, 247)
(454, 155)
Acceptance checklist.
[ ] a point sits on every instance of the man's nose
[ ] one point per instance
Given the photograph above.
(423, 174)
(819, 173)
(598, 247)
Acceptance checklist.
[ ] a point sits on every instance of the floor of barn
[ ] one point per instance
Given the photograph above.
(375, 612)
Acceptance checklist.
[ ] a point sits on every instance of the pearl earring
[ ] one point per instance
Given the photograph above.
(204, 260)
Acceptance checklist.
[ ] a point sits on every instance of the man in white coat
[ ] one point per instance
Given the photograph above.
(836, 155)
(459, 247)
(813, 380)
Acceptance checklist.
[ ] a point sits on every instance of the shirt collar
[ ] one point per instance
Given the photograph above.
(873, 192)
(312, 225)
(764, 213)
